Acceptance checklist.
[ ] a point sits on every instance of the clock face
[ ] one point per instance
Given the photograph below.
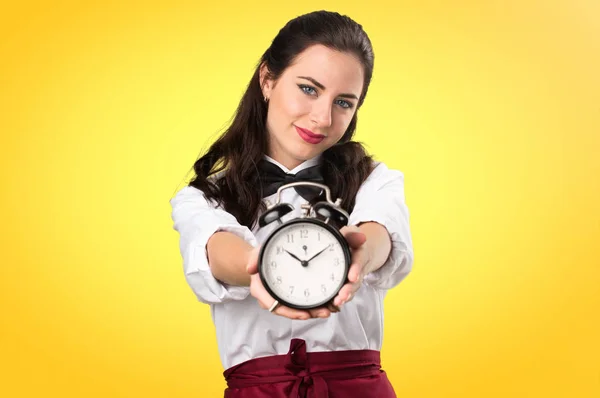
(304, 264)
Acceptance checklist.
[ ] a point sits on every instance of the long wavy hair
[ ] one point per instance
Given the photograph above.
(235, 154)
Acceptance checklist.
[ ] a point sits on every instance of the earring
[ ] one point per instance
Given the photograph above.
(266, 99)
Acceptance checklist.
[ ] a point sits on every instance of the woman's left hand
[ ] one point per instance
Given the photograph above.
(358, 266)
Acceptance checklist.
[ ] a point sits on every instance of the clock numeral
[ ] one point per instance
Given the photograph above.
(279, 280)
(306, 292)
(291, 289)
(324, 289)
(279, 249)
(330, 247)
(336, 261)
(303, 233)
(273, 264)
(332, 276)
(290, 238)
(319, 236)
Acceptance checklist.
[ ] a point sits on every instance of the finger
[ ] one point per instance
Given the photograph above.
(349, 228)
(332, 308)
(258, 291)
(355, 239)
(320, 312)
(355, 269)
(292, 313)
(252, 265)
(265, 301)
(345, 294)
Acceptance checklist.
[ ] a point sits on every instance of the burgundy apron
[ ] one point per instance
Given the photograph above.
(338, 374)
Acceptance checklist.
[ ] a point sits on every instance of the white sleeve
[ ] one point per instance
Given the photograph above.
(197, 220)
(381, 199)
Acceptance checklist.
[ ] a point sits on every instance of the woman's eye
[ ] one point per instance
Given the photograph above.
(344, 104)
(307, 89)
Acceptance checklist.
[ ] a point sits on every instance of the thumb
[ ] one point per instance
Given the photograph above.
(356, 239)
(252, 263)
(354, 236)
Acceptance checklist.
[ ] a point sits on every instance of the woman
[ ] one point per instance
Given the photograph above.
(297, 114)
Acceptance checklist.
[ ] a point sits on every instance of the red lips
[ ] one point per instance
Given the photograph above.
(309, 136)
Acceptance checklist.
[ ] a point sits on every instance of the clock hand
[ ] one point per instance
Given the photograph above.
(310, 259)
(293, 255)
(302, 262)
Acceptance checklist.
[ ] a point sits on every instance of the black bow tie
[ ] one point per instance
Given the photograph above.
(272, 177)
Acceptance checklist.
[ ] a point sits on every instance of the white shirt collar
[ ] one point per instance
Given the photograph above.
(306, 164)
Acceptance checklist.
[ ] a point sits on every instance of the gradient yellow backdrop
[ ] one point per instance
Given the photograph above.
(490, 108)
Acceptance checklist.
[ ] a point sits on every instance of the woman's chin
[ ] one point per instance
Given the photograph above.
(305, 155)
(307, 151)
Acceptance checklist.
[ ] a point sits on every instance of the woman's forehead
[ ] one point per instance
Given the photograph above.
(338, 70)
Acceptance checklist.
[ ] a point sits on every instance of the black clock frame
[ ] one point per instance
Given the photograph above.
(336, 233)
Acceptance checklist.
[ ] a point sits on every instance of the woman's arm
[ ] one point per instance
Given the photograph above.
(378, 245)
(209, 232)
(228, 256)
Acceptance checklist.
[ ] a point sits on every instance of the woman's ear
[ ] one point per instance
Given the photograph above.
(266, 84)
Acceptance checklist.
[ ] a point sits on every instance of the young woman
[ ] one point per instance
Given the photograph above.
(297, 116)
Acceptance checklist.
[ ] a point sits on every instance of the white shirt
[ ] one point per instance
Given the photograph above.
(244, 330)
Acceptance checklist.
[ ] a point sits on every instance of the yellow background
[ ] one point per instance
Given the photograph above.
(490, 108)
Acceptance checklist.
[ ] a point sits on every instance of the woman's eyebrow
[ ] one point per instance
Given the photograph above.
(322, 87)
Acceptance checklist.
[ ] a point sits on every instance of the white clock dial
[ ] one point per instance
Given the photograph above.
(304, 264)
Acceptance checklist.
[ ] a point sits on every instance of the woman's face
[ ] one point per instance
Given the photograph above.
(311, 104)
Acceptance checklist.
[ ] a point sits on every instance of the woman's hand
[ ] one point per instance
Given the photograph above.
(358, 266)
(258, 291)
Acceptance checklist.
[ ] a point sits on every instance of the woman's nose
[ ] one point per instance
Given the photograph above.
(321, 113)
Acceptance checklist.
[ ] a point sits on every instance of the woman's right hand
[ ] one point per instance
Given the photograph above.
(258, 291)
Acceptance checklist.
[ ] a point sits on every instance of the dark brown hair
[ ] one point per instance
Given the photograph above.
(238, 150)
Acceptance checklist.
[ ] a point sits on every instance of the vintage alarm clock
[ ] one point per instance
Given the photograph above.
(304, 261)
